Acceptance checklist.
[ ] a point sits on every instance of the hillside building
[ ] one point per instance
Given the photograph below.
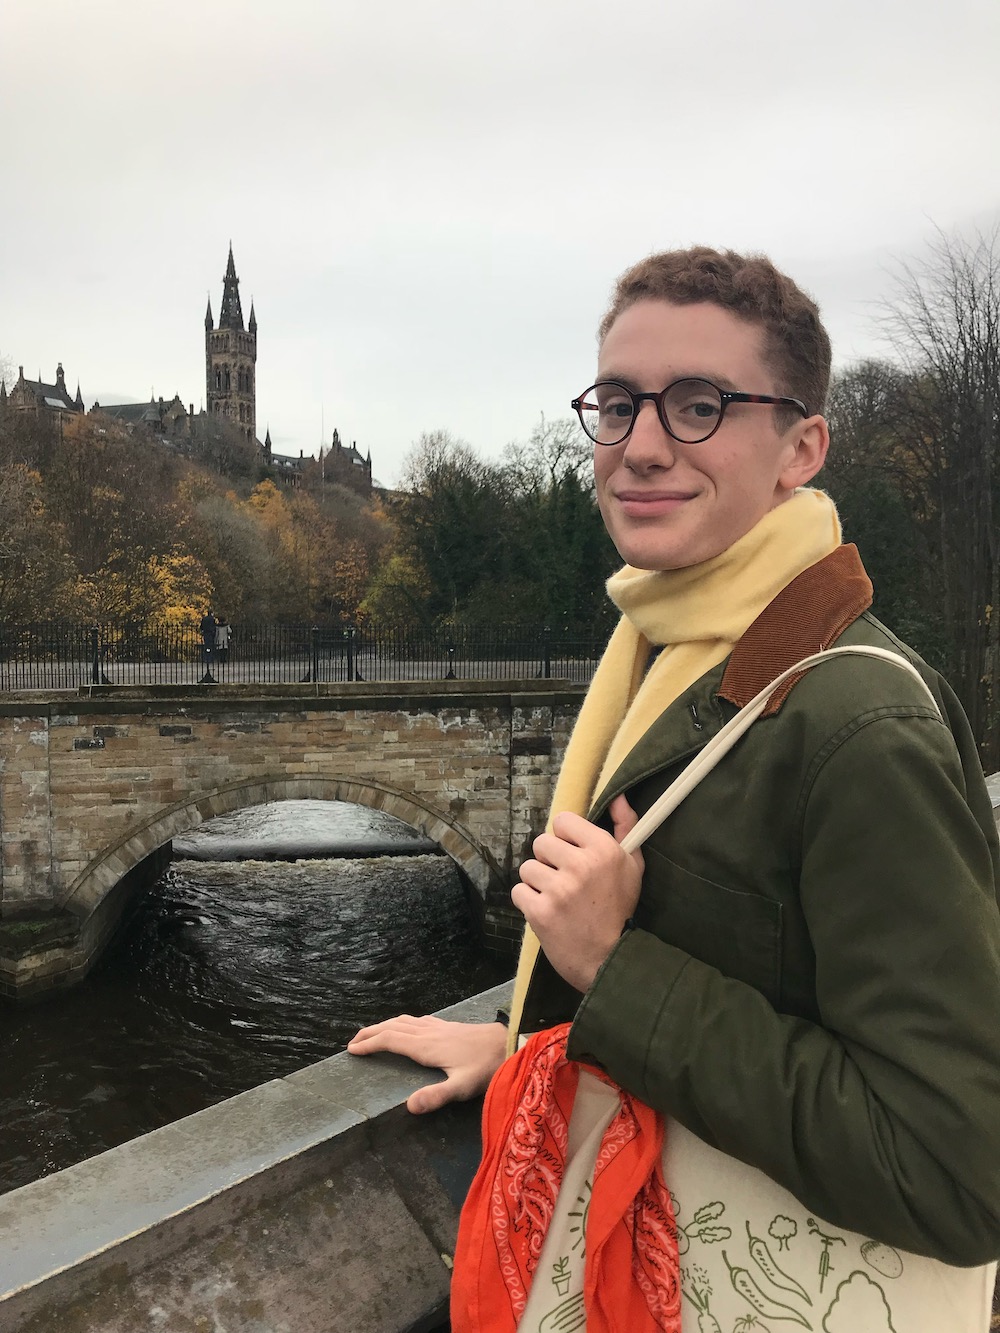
(230, 396)
(37, 397)
(168, 420)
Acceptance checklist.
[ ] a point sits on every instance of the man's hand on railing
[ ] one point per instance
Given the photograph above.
(469, 1053)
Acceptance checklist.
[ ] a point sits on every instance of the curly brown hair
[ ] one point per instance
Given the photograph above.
(796, 345)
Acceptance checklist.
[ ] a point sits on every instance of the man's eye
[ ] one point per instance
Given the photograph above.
(693, 401)
(697, 406)
(703, 408)
(617, 408)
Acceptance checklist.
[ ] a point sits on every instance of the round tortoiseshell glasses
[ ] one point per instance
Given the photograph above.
(690, 410)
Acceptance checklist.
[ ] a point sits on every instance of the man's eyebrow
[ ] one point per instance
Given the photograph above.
(720, 381)
(627, 380)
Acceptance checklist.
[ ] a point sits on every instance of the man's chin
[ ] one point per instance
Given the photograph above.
(655, 562)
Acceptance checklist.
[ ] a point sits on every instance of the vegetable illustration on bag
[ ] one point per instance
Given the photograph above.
(765, 1261)
(745, 1286)
(699, 1296)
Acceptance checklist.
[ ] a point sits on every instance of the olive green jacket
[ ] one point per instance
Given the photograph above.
(813, 981)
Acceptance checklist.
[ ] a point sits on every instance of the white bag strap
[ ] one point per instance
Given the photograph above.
(724, 740)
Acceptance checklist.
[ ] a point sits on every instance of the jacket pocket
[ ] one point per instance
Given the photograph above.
(735, 932)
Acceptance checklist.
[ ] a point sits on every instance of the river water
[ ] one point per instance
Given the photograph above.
(230, 973)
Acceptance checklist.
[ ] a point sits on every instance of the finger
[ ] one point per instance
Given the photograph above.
(433, 1096)
(625, 820)
(401, 1023)
(536, 908)
(521, 896)
(623, 817)
(397, 1042)
(573, 828)
(368, 1045)
(539, 876)
(530, 904)
(553, 849)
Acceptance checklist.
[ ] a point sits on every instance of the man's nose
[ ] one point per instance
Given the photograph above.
(649, 444)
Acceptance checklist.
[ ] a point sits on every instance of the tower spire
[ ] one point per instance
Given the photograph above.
(231, 315)
(209, 324)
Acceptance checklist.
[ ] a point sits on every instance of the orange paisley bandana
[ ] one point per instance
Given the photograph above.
(632, 1275)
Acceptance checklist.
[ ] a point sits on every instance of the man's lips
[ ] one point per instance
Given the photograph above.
(651, 504)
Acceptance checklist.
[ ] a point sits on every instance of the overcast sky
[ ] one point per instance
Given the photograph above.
(428, 200)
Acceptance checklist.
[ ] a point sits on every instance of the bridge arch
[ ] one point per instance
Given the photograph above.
(105, 872)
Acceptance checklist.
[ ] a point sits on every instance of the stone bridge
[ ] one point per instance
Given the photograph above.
(95, 784)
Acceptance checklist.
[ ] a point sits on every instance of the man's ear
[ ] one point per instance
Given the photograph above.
(806, 452)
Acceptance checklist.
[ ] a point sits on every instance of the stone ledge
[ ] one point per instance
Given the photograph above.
(312, 1202)
(22, 936)
(194, 700)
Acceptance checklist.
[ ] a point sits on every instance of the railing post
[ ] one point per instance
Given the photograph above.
(547, 645)
(314, 646)
(350, 652)
(450, 674)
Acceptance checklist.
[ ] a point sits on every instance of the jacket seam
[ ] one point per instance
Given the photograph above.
(839, 738)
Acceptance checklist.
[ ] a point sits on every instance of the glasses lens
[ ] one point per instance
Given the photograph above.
(693, 409)
(606, 411)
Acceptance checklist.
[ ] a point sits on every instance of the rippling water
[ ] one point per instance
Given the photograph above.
(229, 974)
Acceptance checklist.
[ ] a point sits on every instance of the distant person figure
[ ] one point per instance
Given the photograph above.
(223, 630)
(209, 629)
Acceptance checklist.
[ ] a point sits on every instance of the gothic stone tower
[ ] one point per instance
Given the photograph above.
(231, 359)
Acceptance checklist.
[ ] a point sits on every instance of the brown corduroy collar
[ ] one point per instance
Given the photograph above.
(806, 617)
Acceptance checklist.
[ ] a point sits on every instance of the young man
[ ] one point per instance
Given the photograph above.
(801, 968)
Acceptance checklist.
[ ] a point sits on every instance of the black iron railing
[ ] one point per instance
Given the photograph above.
(64, 656)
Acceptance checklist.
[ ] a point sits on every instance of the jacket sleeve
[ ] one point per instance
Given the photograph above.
(884, 1116)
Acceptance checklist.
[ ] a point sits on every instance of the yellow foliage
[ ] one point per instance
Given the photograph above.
(266, 498)
(175, 588)
(350, 578)
(182, 588)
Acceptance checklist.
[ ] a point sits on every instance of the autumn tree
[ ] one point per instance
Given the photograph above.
(227, 538)
(113, 495)
(36, 571)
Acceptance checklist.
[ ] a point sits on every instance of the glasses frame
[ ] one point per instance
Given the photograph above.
(659, 399)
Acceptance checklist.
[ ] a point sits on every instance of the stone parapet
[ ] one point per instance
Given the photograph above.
(312, 1203)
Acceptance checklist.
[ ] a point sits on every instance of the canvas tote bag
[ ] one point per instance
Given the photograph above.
(753, 1259)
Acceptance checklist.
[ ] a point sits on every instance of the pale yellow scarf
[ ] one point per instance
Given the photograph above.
(698, 614)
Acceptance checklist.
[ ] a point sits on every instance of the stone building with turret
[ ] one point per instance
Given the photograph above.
(231, 359)
(37, 397)
(167, 420)
(344, 465)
